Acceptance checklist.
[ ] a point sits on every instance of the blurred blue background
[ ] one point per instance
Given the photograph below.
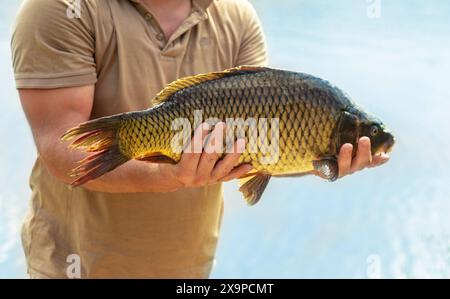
(389, 222)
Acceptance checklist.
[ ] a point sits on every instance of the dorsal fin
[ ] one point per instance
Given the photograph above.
(185, 82)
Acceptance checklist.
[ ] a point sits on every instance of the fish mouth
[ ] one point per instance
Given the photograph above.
(388, 145)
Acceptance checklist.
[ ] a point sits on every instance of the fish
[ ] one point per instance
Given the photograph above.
(300, 122)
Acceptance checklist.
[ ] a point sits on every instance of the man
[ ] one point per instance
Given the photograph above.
(79, 60)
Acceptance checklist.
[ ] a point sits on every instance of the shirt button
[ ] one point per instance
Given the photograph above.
(160, 36)
(148, 16)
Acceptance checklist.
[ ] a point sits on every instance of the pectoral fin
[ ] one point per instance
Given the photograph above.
(252, 187)
(327, 168)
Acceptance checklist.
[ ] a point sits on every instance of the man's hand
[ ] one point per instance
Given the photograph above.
(200, 165)
(363, 157)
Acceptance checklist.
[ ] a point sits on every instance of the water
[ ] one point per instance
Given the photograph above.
(17, 154)
(389, 222)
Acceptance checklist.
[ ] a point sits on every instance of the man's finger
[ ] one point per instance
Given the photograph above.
(363, 155)
(190, 158)
(379, 159)
(227, 164)
(210, 155)
(237, 172)
(345, 159)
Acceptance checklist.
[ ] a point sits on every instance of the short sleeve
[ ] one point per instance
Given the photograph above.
(252, 50)
(53, 44)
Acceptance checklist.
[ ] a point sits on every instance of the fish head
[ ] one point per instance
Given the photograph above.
(355, 124)
(381, 139)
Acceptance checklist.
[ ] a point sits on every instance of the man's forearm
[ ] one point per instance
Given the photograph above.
(133, 176)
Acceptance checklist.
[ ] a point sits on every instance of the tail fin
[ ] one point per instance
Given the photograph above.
(98, 136)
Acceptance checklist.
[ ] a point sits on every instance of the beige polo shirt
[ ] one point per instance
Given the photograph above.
(118, 46)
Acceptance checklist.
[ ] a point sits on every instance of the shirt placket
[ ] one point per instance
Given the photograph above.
(157, 34)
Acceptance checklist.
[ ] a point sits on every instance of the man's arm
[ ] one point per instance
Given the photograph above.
(51, 112)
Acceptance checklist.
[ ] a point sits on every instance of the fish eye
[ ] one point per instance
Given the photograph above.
(374, 130)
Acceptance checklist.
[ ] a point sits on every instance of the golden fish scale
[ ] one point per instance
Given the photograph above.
(307, 117)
